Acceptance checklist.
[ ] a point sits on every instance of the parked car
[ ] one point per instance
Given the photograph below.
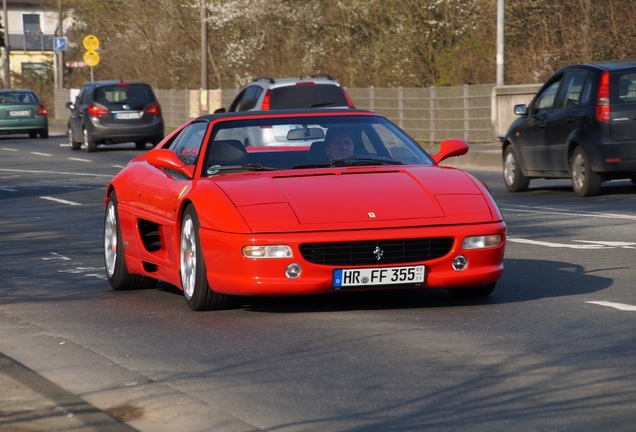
(580, 125)
(112, 112)
(266, 93)
(22, 112)
(220, 220)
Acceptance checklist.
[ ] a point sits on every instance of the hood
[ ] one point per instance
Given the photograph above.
(355, 198)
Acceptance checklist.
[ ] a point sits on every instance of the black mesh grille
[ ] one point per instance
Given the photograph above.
(362, 253)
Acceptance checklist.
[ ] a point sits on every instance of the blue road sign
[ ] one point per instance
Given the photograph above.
(59, 44)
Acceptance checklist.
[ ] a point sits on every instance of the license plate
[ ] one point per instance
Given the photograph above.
(22, 113)
(127, 115)
(361, 277)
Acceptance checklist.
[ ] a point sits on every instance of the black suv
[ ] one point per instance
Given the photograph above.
(266, 93)
(580, 125)
(111, 112)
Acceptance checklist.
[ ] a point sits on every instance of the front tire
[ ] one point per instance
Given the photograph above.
(585, 182)
(75, 145)
(198, 294)
(114, 260)
(513, 176)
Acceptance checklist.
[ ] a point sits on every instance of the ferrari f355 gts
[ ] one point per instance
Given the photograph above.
(340, 200)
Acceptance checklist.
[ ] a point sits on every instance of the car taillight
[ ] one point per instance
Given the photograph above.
(154, 109)
(266, 100)
(42, 112)
(97, 111)
(603, 98)
(349, 101)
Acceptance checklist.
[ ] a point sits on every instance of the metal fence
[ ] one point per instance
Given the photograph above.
(477, 113)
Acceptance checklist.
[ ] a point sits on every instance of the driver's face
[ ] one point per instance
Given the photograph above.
(340, 147)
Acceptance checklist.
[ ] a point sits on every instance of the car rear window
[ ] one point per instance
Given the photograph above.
(134, 93)
(18, 97)
(623, 86)
(308, 96)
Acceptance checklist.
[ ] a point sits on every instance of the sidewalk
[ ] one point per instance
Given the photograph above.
(29, 402)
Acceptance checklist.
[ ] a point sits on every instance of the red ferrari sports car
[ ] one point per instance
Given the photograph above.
(343, 200)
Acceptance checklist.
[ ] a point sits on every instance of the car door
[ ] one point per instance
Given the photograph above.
(161, 191)
(531, 134)
(568, 114)
(78, 111)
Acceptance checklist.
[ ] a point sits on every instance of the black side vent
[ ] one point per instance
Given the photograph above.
(149, 232)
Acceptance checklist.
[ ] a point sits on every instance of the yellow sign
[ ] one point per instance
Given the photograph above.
(91, 43)
(91, 58)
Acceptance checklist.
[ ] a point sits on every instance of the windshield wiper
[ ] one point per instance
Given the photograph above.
(355, 161)
(215, 169)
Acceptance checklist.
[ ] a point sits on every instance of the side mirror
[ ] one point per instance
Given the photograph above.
(167, 159)
(450, 148)
(219, 110)
(70, 105)
(521, 109)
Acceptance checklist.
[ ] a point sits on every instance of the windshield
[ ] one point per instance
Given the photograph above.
(309, 142)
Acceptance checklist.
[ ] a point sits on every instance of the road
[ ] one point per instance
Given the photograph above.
(552, 349)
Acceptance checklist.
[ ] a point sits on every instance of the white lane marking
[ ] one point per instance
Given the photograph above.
(10, 149)
(118, 166)
(61, 201)
(78, 267)
(65, 144)
(557, 245)
(611, 244)
(56, 256)
(619, 306)
(8, 189)
(79, 159)
(550, 211)
(56, 172)
(41, 154)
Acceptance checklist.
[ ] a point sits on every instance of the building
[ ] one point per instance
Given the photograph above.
(32, 26)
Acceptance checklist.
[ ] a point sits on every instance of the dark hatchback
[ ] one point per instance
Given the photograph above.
(112, 112)
(580, 125)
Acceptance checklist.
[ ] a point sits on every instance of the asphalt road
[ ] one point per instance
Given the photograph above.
(552, 349)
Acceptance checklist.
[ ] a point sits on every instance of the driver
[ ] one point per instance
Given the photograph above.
(338, 143)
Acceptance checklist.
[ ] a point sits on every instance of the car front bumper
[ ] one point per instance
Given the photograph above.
(229, 272)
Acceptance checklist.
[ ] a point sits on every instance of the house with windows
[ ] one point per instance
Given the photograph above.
(32, 26)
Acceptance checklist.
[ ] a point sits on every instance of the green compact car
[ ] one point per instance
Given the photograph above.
(22, 112)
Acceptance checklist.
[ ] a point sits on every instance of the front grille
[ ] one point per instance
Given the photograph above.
(362, 253)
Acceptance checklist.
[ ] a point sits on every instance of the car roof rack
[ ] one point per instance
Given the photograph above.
(323, 75)
(264, 78)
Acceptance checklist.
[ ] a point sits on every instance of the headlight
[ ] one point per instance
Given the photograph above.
(271, 251)
(481, 242)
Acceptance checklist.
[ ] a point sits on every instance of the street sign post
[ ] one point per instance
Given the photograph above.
(91, 57)
(60, 44)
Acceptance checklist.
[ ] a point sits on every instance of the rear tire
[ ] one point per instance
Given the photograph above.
(585, 182)
(44, 133)
(114, 259)
(89, 143)
(194, 281)
(513, 176)
(473, 292)
(140, 145)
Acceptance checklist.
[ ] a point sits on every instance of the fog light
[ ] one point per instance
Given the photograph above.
(460, 262)
(293, 271)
